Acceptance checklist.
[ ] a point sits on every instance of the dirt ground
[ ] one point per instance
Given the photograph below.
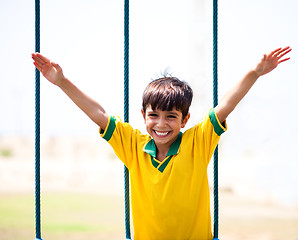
(71, 167)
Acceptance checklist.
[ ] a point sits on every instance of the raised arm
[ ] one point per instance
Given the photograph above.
(235, 95)
(53, 72)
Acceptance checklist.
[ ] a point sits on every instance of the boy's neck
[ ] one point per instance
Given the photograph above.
(163, 149)
(161, 152)
(160, 156)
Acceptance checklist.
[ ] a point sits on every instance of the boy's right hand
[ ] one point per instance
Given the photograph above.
(50, 70)
(53, 72)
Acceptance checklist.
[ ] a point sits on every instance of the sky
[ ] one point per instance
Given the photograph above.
(86, 39)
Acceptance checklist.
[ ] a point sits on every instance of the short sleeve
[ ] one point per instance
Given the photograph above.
(124, 140)
(207, 134)
(109, 130)
(219, 128)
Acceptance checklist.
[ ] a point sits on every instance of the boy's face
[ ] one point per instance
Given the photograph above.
(164, 126)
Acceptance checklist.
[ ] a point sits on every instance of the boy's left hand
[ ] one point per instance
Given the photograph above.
(271, 61)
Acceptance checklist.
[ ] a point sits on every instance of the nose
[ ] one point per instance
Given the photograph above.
(161, 122)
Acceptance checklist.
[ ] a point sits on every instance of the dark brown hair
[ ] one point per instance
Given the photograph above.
(166, 94)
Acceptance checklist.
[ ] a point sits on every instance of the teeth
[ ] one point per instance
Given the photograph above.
(161, 133)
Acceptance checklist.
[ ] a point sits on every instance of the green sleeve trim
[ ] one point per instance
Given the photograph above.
(218, 127)
(109, 129)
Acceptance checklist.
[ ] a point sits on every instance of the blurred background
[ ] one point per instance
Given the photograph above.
(81, 179)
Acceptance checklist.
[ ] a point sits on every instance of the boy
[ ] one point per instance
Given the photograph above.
(168, 169)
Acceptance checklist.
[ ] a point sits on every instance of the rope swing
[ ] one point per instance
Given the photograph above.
(37, 125)
(126, 114)
(126, 119)
(215, 102)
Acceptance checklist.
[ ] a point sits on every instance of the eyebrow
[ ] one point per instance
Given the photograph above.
(173, 113)
(169, 112)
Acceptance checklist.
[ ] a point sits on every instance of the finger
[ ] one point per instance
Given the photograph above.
(56, 65)
(38, 66)
(42, 58)
(37, 59)
(282, 51)
(273, 52)
(34, 57)
(283, 60)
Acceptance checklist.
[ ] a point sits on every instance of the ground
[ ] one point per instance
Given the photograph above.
(82, 196)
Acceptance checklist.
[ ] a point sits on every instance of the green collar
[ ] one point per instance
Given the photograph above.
(150, 147)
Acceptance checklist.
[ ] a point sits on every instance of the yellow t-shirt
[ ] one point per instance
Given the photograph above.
(170, 199)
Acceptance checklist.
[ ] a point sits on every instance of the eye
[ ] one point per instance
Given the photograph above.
(172, 116)
(152, 115)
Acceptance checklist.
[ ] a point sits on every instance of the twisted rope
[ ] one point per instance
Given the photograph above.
(126, 113)
(215, 102)
(37, 125)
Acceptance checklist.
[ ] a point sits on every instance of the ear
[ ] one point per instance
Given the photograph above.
(144, 114)
(185, 120)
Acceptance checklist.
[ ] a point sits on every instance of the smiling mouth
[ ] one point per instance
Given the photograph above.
(161, 134)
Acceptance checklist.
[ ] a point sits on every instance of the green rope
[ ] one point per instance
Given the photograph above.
(126, 112)
(215, 102)
(37, 125)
